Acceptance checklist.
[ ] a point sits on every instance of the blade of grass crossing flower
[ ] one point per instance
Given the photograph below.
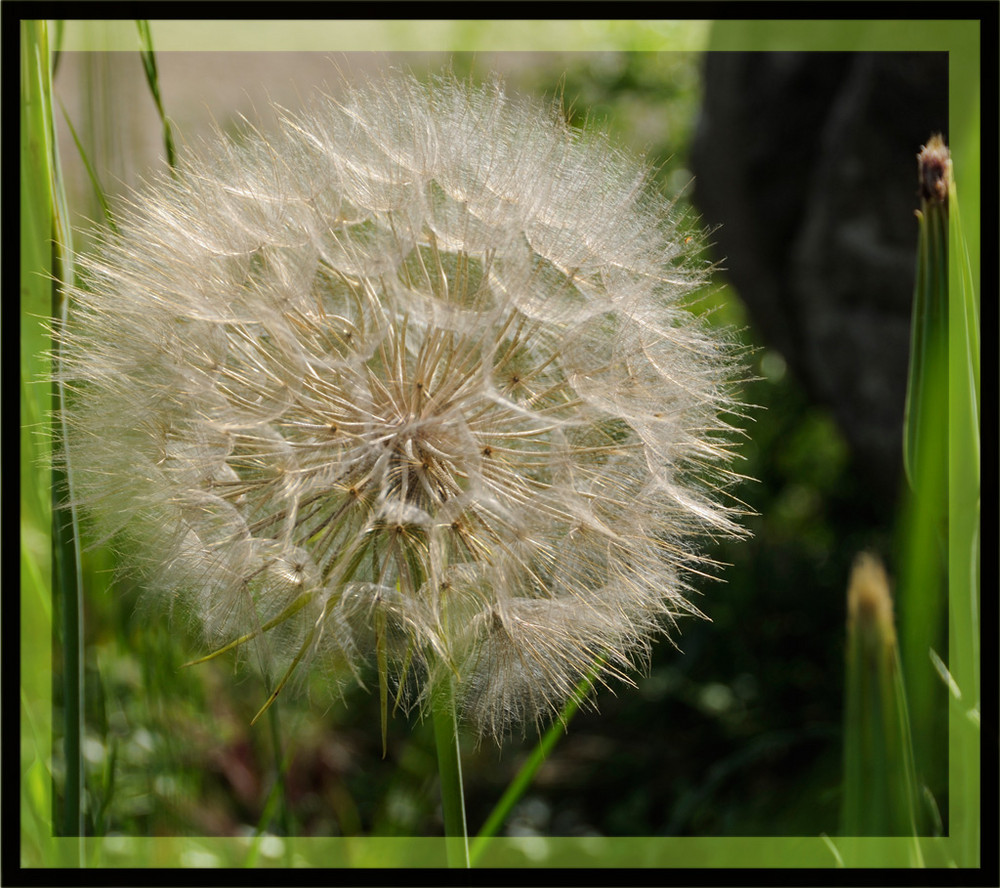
(879, 778)
(153, 79)
(519, 785)
(303, 649)
(355, 558)
(286, 614)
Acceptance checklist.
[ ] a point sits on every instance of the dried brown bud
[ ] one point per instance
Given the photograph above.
(934, 164)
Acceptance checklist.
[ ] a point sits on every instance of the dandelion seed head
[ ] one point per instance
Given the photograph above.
(411, 378)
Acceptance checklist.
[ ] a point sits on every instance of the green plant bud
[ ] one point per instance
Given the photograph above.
(879, 785)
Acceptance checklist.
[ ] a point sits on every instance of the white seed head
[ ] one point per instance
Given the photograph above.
(408, 383)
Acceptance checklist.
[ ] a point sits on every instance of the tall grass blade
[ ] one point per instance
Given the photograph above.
(923, 570)
(99, 192)
(929, 329)
(943, 462)
(41, 174)
(963, 543)
(36, 506)
(153, 79)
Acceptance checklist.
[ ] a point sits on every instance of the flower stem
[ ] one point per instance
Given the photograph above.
(280, 768)
(450, 770)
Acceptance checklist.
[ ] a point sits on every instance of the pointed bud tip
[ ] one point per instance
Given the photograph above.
(869, 601)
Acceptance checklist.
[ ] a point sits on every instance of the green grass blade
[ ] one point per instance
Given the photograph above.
(929, 328)
(963, 543)
(153, 79)
(92, 175)
(286, 614)
(43, 183)
(923, 570)
(36, 510)
(281, 763)
(944, 466)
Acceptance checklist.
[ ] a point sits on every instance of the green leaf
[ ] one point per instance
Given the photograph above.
(964, 536)
(923, 577)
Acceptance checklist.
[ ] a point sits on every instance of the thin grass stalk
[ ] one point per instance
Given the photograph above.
(67, 570)
(153, 79)
(280, 766)
(95, 182)
(66, 537)
(276, 804)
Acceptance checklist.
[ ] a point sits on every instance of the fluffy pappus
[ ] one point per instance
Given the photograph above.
(408, 383)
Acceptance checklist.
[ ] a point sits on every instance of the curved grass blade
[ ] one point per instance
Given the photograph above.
(285, 678)
(153, 79)
(92, 175)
